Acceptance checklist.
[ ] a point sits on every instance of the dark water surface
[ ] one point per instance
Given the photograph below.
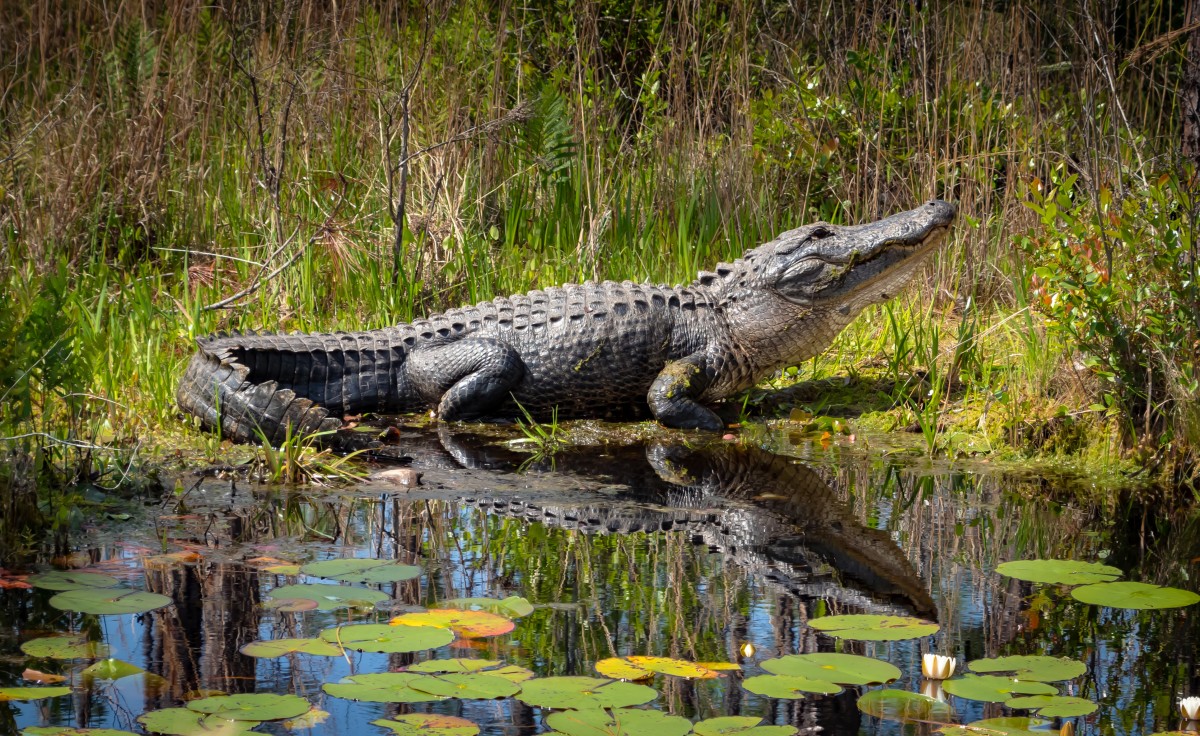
(644, 549)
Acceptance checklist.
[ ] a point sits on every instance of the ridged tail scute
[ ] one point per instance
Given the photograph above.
(258, 385)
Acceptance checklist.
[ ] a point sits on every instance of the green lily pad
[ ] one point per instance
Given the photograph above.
(1141, 596)
(68, 731)
(583, 692)
(428, 724)
(619, 722)
(791, 687)
(863, 627)
(493, 667)
(252, 706)
(994, 688)
(1035, 667)
(1013, 726)
(387, 639)
(69, 580)
(513, 606)
(32, 693)
(467, 624)
(1065, 572)
(356, 570)
(112, 669)
(467, 686)
(740, 726)
(65, 646)
(108, 601)
(184, 722)
(904, 706)
(383, 687)
(1054, 706)
(843, 669)
(642, 668)
(330, 597)
(269, 649)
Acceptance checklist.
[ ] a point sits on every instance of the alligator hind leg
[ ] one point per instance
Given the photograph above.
(473, 377)
(671, 396)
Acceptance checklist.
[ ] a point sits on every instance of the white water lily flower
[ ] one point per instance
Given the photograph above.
(1190, 708)
(937, 666)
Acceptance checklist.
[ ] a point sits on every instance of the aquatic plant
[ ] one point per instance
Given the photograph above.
(937, 666)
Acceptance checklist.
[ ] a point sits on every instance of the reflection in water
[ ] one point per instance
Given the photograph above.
(663, 549)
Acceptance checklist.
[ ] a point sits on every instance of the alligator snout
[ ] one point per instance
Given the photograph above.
(942, 210)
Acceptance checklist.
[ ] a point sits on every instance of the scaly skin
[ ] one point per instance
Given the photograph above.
(594, 349)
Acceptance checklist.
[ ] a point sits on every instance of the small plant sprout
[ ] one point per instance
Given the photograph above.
(937, 666)
(1189, 708)
(1068, 729)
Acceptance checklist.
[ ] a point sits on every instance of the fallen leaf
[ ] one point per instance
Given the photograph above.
(42, 678)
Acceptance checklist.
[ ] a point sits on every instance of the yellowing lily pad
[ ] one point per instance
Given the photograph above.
(330, 597)
(843, 669)
(269, 649)
(1064, 572)
(790, 687)
(251, 706)
(468, 624)
(387, 639)
(473, 686)
(68, 731)
(904, 706)
(1141, 596)
(1054, 706)
(383, 687)
(1013, 726)
(995, 689)
(71, 580)
(184, 722)
(313, 718)
(108, 601)
(1035, 667)
(618, 722)
(32, 693)
(642, 668)
(292, 605)
(65, 646)
(513, 606)
(428, 724)
(864, 627)
(355, 570)
(494, 667)
(583, 692)
(740, 726)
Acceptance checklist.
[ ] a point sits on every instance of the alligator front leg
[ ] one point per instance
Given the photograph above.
(472, 377)
(672, 396)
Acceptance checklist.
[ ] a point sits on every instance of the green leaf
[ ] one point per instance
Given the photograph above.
(112, 669)
(184, 722)
(269, 649)
(355, 570)
(1054, 706)
(252, 706)
(108, 601)
(1140, 596)
(740, 726)
(874, 628)
(467, 686)
(995, 689)
(383, 687)
(843, 669)
(619, 722)
(1065, 572)
(32, 693)
(330, 597)
(387, 639)
(584, 692)
(65, 646)
(69, 580)
(494, 667)
(791, 687)
(1035, 667)
(1016, 726)
(904, 706)
(428, 724)
(511, 607)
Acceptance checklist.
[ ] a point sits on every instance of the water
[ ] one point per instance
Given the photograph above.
(631, 548)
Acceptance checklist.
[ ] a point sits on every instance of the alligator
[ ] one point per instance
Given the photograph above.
(586, 350)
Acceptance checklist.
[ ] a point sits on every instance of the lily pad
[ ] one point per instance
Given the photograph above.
(513, 606)
(843, 669)
(584, 692)
(112, 669)
(184, 722)
(642, 668)
(1054, 706)
(619, 722)
(65, 646)
(1034, 667)
(995, 689)
(108, 601)
(740, 726)
(790, 687)
(1013, 726)
(467, 686)
(904, 706)
(468, 624)
(269, 649)
(313, 718)
(68, 731)
(330, 597)
(1141, 596)
(383, 687)
(32, 693)
(494, 667)
(428, 724)
(387, 639)
(252, 706)
(1065, 572)
(291, 605)
(70, 580)
(356, 570)
(865, 627)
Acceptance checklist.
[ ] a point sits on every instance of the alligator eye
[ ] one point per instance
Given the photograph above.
(820, 232)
